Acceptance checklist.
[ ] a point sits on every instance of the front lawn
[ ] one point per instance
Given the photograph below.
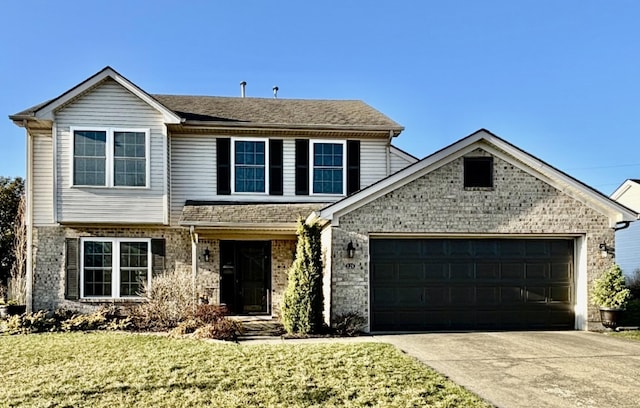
(103, 369)
(632, 335)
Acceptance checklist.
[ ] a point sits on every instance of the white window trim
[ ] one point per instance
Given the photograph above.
(109, 156)
(233, 165)
(115, 266)
(344, 166)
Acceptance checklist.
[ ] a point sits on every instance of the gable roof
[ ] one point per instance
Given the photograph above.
(281, 112)
(628, 194)
(496, 146)
(45, 110)
(234, 111)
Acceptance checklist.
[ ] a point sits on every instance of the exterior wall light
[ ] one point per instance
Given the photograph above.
(606, 250)
(206, 255)
(351, 250)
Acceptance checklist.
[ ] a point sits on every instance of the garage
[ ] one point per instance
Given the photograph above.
(471, 284)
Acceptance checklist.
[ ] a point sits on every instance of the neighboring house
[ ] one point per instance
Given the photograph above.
(480, 235)
(627, 248)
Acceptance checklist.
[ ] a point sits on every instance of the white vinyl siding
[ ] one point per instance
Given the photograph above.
(193, 171)
(399, 162)
(42, 178)
(109, 105)
(373, 161)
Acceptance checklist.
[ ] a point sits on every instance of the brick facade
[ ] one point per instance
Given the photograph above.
(49, 262)
(438, 204)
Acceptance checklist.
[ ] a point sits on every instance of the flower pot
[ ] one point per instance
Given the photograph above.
(610, 317)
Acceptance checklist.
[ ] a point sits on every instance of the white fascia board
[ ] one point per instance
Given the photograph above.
(401, 153)
(533, 166)
(47, 111)
(560, 180)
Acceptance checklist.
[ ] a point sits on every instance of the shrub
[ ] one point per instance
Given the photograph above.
(27, 323)
(186, 327)
(105, 318)
(303, 299)
(223, 329)
(349, 324)
(209, 313)
(633, 283)
(609, 289)
(631, 316)
(170, 301)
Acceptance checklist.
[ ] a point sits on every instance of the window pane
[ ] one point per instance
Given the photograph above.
(89, 158)
(133, 267)
(328, 168)
(250, 166)
(129, 159)
(97, 268)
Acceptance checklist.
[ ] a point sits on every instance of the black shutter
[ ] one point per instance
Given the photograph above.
(157, 256)
(223, 158)
(275, 167)
(353, 166)
(72, 281)
(302, 167)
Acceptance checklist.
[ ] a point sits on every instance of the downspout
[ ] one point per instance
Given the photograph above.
(389, 153)
(29, 220)
(194, 257)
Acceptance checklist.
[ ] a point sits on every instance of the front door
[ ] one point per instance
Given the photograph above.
(245, 276)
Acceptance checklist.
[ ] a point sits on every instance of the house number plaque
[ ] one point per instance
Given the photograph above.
(350, 266)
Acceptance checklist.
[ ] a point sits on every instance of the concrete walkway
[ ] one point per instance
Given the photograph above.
(534, 369)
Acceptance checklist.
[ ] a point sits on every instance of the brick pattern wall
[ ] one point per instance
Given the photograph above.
(49, 259)
(49, 263)
(438, 203)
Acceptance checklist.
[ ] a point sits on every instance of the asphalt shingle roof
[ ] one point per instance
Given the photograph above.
(276, 111)
(212, 213)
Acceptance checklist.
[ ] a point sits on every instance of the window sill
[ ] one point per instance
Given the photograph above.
(479, 189)
(112, 300)
(111, 187)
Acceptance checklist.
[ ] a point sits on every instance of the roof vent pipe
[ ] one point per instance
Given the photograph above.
(243, 87)
(275, 92)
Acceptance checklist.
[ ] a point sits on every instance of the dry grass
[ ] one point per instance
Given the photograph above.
(104, 369)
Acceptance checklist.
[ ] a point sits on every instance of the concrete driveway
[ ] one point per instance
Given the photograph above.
(534, 369)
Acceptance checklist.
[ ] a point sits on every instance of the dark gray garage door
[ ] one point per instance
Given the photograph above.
(471, 284)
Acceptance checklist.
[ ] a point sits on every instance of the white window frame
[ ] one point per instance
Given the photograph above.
(233, 164)
(115, 266)
(110, 159)
(344, 166)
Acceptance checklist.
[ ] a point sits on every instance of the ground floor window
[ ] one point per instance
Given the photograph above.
(114, 267)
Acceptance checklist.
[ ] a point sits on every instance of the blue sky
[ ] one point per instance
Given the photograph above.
(559, 79)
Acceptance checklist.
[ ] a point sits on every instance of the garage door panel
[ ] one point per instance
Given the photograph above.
(535, 294)
(480, 284)
(410, 271)
(461, 272)
(383, 271)
(512, 270)
(488, 271)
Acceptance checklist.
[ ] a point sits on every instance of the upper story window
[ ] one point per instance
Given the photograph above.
(114, 267)
(110, 157)
(250, 166)
(478, 171)
(328, 173)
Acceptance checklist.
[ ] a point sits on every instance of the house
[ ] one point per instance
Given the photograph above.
(479, 235)
(627, 250)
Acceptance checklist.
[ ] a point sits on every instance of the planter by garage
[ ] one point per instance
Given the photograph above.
(611, 317)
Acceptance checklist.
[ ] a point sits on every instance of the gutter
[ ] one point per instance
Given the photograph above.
(29, 221)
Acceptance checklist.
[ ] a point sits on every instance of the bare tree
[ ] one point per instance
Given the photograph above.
(17, 287)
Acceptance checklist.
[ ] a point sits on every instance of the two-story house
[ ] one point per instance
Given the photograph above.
(123, 184)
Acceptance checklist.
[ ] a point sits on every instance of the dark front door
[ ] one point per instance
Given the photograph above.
(472, 284)
(245, 276)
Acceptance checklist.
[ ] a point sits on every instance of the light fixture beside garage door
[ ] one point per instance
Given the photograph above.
(351, 250)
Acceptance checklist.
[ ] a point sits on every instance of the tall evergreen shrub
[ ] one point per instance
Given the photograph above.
(303, 300)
